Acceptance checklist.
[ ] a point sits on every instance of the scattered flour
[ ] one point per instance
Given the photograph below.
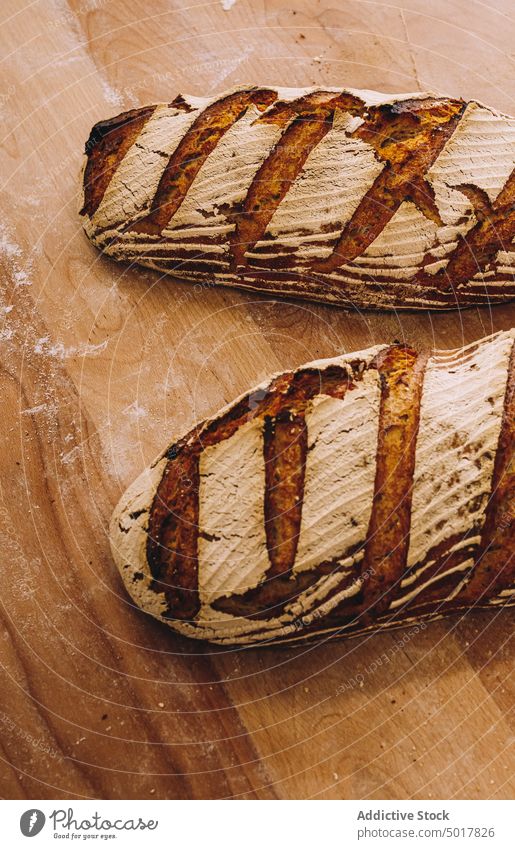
(57, 349)
(39, 408)
(22, 278)
(227, 4)
(7, 247)
(220, 69)
(66, 60)
(134, 411)
(111, 95)
(13, 255)
(76, 453)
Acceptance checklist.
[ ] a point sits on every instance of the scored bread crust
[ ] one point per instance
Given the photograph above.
(343, 196)
(350, 494)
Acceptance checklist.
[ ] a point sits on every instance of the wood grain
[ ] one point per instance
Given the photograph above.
(102, 365)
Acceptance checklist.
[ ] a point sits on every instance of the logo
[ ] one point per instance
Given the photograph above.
(31, 822)
(65, 820)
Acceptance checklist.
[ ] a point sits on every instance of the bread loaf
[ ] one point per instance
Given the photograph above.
(353, 493)
(349, 197)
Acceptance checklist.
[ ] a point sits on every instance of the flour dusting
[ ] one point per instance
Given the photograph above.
(12, 253)
(57, 349)
(39, 408)
(134, 411)
(76, 453)
(111, 95)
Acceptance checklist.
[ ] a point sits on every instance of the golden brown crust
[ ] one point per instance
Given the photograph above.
(198, 142)
(401, 371)
(408, 140)
(495, 569)
(172, 547)
(173, 533)
(311, 118)
(108, 143)
(406, 136)
(381, 566)
(437, 568)
(494, 231)
(173, 540)
(285, 449)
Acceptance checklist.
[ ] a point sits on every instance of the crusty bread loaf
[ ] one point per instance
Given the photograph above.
(348, 197)
(353, 493)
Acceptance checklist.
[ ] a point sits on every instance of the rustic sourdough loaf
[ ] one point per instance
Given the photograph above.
(348, 197)
(353, 493)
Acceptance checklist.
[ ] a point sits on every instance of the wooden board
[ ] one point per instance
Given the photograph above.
(101, 365)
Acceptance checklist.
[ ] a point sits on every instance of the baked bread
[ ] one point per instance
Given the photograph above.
(353, 493)
(348, 197)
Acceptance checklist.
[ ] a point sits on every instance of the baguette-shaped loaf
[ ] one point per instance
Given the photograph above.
(353, 493)
(348, 197)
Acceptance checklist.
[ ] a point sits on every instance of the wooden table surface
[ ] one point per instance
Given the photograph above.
(101, 366)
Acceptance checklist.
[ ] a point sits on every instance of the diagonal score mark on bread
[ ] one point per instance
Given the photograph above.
(186, 161)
